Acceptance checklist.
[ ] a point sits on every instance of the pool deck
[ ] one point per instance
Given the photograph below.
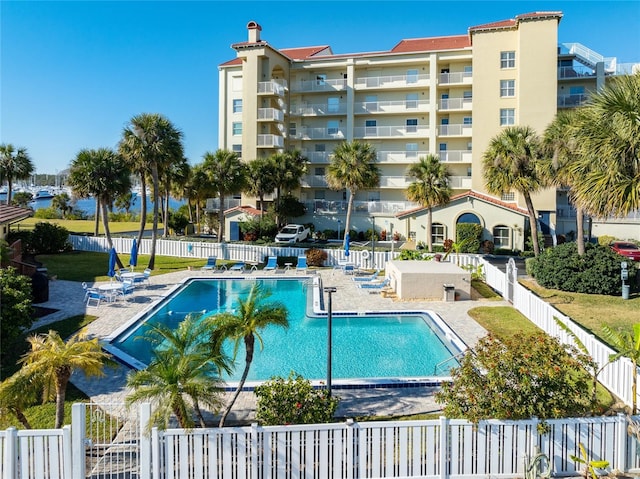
(67, 297)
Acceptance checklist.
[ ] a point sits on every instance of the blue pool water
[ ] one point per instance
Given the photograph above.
(363, 346)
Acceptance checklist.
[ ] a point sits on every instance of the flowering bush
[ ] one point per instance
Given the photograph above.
(293, 401)
(316, 257)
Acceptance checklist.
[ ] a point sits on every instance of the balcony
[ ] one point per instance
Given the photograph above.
(304, 133)
(270, 141)
(324, 207)
(577, 71)
(395, 181)
(400, 156)
(400, 106)
(460, 182)
(572, 101)
(318, 85)
(455, 156)
(316, 156)
(454, 130)
(213, 204)
(320, 109)
(272, 87)
(390, 131)
(314, 181)
(449, 104)
(393, 81)
(270, 114)
(452, 78)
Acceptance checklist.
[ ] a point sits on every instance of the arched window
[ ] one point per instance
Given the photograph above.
(468, 218)
(437, 233)
(502, 236)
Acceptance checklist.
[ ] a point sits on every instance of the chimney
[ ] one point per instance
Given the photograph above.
(254, 31)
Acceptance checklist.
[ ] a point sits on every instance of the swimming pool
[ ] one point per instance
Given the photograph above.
(366, 347)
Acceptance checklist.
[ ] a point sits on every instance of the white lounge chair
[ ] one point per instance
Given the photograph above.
(365, 278)
(374, 286)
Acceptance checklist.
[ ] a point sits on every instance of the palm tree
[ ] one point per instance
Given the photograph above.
(103, 174)
(627, 345)
(199, 189)
(227, 174)
(607, 132)
(151, 143)
(14, 165)
(430, 188)
(253, 314)
(561, 152)
(183, 369)
(172, 180)
(509, 163)
(53, 360)
(261, 176)
(352, 167)
(17, 393)
(287, 169)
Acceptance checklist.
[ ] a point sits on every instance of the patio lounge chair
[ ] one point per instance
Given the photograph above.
(302, 264)
(272, 264)
(374, 286)
(238, 267)
(95, 297)
(211, 264)
(365, 278)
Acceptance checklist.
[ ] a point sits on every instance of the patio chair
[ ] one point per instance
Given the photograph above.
(365, 278)
(272, 264)
(374, 285)
(127, 290)
(95, 297)
(144, 279)
(238, 267)
(211, 264)
(302, 264)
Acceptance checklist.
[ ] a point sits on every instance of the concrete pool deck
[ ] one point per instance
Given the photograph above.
(67, 298)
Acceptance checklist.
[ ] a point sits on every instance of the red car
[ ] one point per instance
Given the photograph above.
(627, 249)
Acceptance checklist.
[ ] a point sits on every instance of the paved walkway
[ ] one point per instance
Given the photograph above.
(67, 297)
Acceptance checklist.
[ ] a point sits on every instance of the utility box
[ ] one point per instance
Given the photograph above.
(449, 292)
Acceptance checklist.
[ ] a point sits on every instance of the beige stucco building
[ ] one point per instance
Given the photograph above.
(446, 96)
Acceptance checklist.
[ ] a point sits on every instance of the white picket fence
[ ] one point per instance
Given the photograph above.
(437, 449)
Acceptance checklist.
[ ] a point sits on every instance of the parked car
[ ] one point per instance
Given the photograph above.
(293, 234)
(625, 248)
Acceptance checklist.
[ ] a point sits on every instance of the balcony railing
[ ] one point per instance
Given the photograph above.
(460, 182)
(390, 131)
(316, 156)
(325, 207)
(319, 109)
(572, 101)
(454, 130)
(213, 204)
(314, 181)
(395, 181)
(337, 84)
(578, 71)
(399, 106)
(272, 87)
(457, 77)
(400, 156)
(455, 156)
(393, 81)
(456, 104)
(270, 114)
(304, 133)
(270, 141)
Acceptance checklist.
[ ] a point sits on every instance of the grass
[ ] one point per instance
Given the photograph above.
(84, 226)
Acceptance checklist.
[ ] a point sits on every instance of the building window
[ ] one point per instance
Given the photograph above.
(467, 95)
(333, 105)
(468, 70)
(412, 125)
(237, 149)
(412, 76)
(319, 194)
(507, 60)
(293, 129)
(469, 145)
(321, 79)
(319, 171)
(501, 235)
(437, 233)
(370, 128)
(508, 197)
(237, 106)
(467, 120)
(237, 128)
(411, 150)
(442, 147)
(507, 116)
(507, 88)
(332, 127)
(411, 100)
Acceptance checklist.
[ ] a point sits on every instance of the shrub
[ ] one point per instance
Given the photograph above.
(605, 240)
(293, 401)
(15, 308)
(259, 227)
(48, 238)
(47, 213)
(412, 255)
(596, 272)
(488, 247)
(329, 234)
(316, 257)
(469, 236)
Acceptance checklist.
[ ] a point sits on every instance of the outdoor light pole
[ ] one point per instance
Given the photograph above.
(329, 290)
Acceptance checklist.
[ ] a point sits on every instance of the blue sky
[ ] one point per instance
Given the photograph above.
(73, 73)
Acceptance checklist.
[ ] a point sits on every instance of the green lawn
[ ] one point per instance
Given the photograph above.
(83, 226)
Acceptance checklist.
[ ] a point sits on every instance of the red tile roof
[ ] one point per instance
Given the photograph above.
(514, 21)
(299, 53)
(472, 194)
(13, 214)
(430, 44)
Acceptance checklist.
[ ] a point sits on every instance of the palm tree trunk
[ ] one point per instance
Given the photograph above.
(97, 222)
(249, 343)
(634, 388)
(579, 230)
(221, 220)
(534, 224)
(62, 379)
(196, 406)
(347, 221)
(429, 238)
(143, 207)
(154, 232)
(9, 190)
(166, 213)
(17, 412)
(107, 231)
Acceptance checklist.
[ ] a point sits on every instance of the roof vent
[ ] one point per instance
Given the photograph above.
(254, 31)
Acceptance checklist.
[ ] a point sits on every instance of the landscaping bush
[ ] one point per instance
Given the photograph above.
(293, 401)
(16, 306)
(329, 234)
(488, 247)
(47, 213)
(259, 227)
(469, 236)
(316, 257)
(596, 272)
(48, 238)
(411, 255)
(605, 240)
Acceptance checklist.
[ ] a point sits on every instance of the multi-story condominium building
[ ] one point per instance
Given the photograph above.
(446, 96)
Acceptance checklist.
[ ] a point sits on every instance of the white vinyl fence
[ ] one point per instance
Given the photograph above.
(438, 449)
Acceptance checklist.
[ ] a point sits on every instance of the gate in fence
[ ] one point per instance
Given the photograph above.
(512, 279)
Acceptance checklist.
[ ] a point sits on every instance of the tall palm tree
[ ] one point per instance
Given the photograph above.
(103, 174)
(53, 360)
(17, 393)
(172, 179)
(261, 176)
(199, 189)
(509, 163)
(14, 165)
(182, 370)
(430, 188)
(560, 150)
(253, 315)
(227, 175)
(150, 143)
(287, 170)
(352, 167)
(628, 345)
(608, 136)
